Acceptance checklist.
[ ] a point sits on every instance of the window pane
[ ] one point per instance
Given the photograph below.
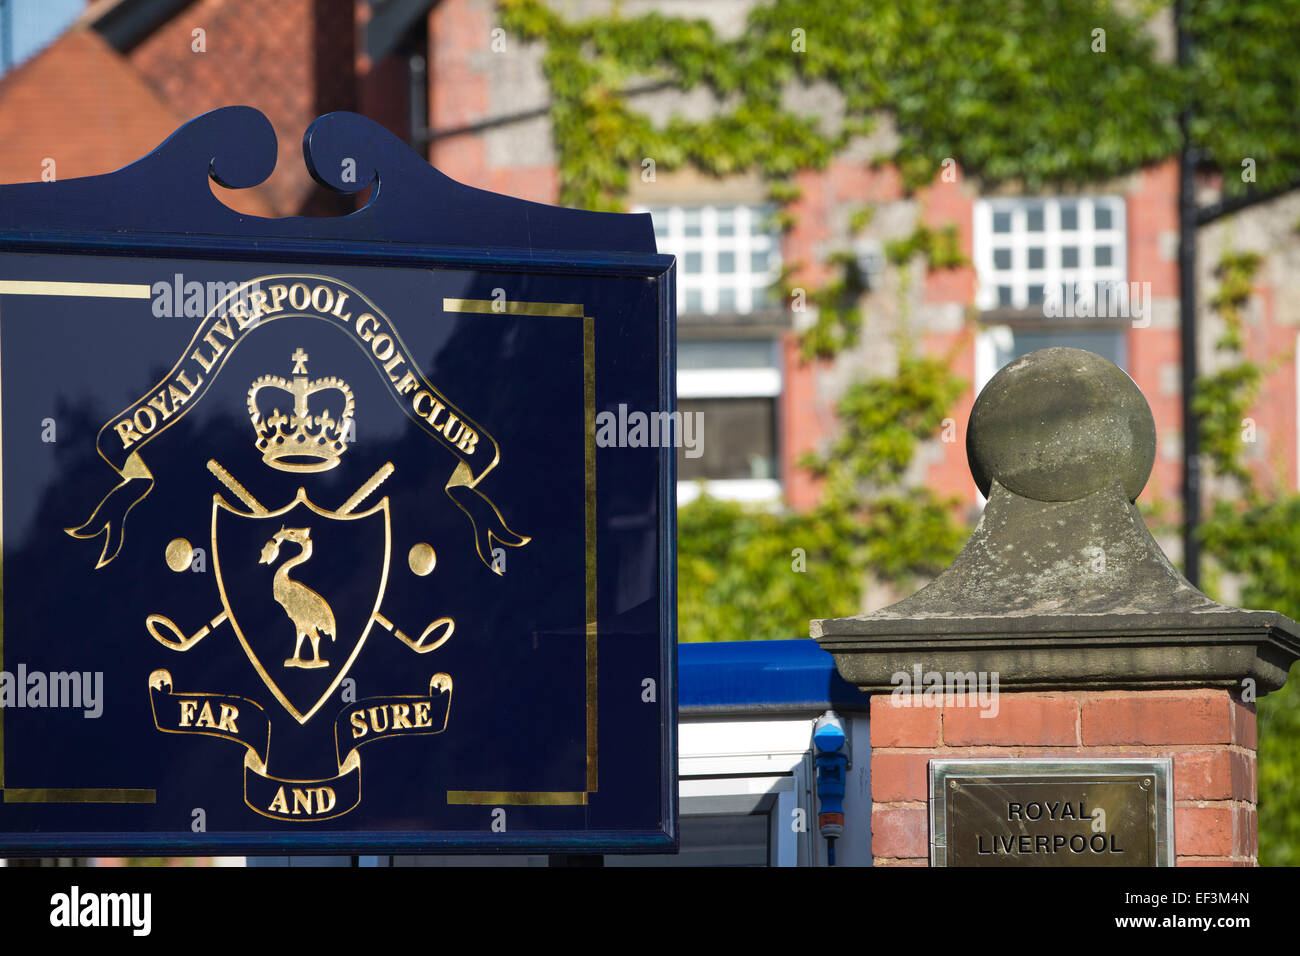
(1105, 343)
(725, 353)
(694, 263)
(694, 301)
(1053, 250)
(738, 438)
(758, 220)
(660, 218)
(692, 222)
(726, 262)
(758, 262)
(727, 300)
(726, 222)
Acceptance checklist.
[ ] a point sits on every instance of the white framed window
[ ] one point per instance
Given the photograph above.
(1026, 248)
(1044, 257)
(728, 256)
(997, 345)
(734, 385)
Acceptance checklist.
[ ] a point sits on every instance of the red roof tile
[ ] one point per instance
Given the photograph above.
(83, 105)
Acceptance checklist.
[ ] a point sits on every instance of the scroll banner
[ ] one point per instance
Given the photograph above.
(244, 309)
(245, 722)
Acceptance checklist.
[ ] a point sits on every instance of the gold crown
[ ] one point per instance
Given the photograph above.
(299, 440)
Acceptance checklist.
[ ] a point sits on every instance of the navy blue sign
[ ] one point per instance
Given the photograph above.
(311, 541)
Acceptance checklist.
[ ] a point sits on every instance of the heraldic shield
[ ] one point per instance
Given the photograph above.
(301, 586)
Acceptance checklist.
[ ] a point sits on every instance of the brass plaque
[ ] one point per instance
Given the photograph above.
(1050, 813)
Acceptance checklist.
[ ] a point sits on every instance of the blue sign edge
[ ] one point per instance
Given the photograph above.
(103, 215)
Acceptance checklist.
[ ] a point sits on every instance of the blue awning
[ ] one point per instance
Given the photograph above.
(761, 677)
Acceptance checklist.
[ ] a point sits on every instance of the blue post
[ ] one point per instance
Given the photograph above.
(832, 766)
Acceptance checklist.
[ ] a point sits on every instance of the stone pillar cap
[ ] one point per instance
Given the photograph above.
(1061, 586)
(1060, 424)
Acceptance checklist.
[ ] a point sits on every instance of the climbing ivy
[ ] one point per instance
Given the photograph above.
(999, 86)
(1223, 399)
(1043, 94)
(1039, 94)
(1243, 91)
(1256, 536)
(746, 574)
(838, 322)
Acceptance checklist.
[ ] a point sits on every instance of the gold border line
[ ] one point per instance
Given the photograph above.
(454, 797)
(103, 290)
(519, 798)
(573, 311)
(109, 290)
(78, 795)
(567, 310)
(589, 468)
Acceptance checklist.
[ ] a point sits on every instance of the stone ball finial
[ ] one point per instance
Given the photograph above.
(1059, 424)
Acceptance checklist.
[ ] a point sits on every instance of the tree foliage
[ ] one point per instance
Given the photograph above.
(1243, 90)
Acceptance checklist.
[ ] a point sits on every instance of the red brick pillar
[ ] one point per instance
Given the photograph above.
(1209, 734)
(1064, 630)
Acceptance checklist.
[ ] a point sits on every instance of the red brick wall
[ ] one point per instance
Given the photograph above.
(950, 475)
(77, 103)
(1209, 734)
(803, 423)
(292, 59)
(1273, 457)
(807, 413)
(944, 204)
(458, 93)
(384, 95)
(1155, 353)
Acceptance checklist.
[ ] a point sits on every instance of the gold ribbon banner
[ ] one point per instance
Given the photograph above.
(245, 722)
(242, 310)
(298, 801)
(214, 715)
(368, 720)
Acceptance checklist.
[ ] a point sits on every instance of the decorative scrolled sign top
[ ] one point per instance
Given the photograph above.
(411, 201)
(273, 488)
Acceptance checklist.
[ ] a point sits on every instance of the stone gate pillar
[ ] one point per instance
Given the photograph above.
(1062, 630)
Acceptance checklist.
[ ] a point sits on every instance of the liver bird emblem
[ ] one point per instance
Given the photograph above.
(309, 612)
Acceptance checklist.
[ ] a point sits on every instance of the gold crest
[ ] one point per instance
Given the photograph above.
(300, 441)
